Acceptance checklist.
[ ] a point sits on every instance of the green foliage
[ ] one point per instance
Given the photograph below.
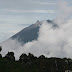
(10, 56)
(30, 63)
(0, 48)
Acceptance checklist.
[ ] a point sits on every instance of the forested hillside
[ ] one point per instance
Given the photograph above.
(30, 63)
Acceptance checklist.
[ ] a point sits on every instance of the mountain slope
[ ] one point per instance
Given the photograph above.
(30, 33)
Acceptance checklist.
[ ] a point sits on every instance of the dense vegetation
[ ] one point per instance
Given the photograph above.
(30, 63)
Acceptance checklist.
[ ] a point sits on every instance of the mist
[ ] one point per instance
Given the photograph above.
(64, 12)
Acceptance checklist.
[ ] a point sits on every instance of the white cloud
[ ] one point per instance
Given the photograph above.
(64, 12)
(44, 3)
(29, 11)
(14, 31)
(25, 4)
(5, 35)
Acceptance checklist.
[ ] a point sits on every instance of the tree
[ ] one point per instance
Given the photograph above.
(23, 58)
(10, 56)
(42, 57)
(0, 51)
(0, 48)
(31, 57)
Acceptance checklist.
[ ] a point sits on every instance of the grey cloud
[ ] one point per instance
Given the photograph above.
(22, 4)
(30, 11)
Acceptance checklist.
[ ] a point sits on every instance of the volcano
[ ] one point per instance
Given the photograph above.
(26, 35)
(30, 33)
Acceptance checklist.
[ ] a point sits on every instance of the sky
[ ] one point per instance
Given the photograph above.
(18, 14)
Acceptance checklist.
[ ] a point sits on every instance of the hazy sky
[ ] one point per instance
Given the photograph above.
(15, 13)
